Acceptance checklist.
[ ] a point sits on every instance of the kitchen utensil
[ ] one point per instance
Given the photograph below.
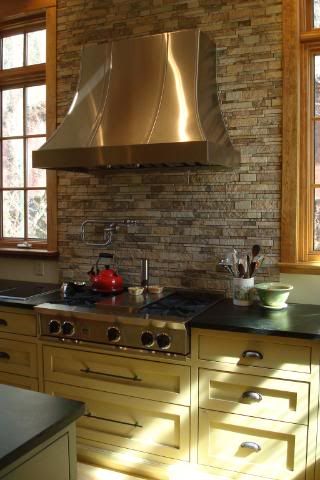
(106, 280)
(144, 272)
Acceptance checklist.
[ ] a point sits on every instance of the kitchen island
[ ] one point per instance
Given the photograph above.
(37, 435)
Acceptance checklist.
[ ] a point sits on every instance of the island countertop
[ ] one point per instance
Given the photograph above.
(29, 418)
(297, 320)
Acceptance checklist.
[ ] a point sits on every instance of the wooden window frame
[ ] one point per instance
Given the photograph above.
(12, 16)
(299, 43)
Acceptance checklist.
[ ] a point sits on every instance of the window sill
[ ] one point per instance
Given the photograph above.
(28, 252)
(310, 268)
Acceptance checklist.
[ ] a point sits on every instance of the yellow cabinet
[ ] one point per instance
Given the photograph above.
(248, 351)
(19, 381)
(136, 424)
(18, 322)
(269, 449)
(123, 375)
(18, 357)
(254, 396)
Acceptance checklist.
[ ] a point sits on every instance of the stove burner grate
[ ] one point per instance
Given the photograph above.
(81, 294)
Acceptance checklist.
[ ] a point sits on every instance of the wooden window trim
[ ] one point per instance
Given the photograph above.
(296, 206)
(17, 9)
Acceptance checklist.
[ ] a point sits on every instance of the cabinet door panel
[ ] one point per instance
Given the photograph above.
(18, 357)
(127, 376)
(255, 396)
(266, 448)
(20, 323)
(247, 351)
(133, 423)
(19, 381)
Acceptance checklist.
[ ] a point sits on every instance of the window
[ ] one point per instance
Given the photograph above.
(300, 228)
(27, 115)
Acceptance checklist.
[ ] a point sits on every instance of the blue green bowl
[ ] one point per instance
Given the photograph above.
(273, 294)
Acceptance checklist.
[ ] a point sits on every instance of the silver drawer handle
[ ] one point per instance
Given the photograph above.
(255, 396)
(5, 355)
(135, 425)
(251, 445)
(252, 354)
(135, 378)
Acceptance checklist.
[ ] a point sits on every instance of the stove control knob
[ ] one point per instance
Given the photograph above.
(113, 334)
(54, 326)
(147, 339)
(68, 328)
(163, 341)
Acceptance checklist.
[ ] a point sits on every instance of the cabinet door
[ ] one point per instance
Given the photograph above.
(19, 381)
(133, 423)
(124, 375)
(20, 323)
(18, 357)
(266, 448)
(255, 396)
(252, 352)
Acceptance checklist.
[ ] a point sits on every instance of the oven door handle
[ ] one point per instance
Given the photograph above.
(135, 378)
(135, 425)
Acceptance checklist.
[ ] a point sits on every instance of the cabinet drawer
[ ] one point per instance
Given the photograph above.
(229, 442)
(255, 353)
(127, 376)
(20, 323)
(19, 381)
(255, 396)
(143, 425)
(18, 357)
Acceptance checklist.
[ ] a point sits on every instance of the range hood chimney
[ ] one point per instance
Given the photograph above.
(143, 102)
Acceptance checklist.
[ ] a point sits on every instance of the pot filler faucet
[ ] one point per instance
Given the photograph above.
(109, 227)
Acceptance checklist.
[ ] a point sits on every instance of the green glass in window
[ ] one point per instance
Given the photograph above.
(36, 47)
(12, 163)
(12, 51)
(13, 214)
(36, 110)
(12, 112)
(37, 214)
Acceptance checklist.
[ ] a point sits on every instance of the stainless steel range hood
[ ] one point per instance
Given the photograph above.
(143, 102)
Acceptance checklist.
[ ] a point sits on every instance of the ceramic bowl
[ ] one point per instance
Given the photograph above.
(135, 290)
(273, 294)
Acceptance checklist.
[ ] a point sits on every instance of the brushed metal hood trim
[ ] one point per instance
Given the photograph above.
(143, 102)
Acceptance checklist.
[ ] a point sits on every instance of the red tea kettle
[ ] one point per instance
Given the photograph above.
(106, 280)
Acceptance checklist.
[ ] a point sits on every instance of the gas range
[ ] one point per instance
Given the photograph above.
(149, 322)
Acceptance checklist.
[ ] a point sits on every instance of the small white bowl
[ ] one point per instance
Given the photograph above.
(135, 290)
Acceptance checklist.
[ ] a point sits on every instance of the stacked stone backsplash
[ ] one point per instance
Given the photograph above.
(187, 219)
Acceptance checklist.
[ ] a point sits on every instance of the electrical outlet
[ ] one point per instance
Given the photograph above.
(39, 268)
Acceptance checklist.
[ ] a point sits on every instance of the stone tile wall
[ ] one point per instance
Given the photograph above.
(187, 219)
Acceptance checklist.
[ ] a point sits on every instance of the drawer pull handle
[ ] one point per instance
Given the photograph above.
(251, 445)
(252, 354)
(3, 323)
(135, 378)
(5, 355)
(135, 425)
(255, 396)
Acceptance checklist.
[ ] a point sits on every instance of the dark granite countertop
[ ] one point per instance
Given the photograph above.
(46, 292)
(29, 418)
(297, 320)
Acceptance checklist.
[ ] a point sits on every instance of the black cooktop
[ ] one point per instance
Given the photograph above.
(18, 290)
(182, 304)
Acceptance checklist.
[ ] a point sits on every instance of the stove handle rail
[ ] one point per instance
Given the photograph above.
(109, 227)
(135, 425)
(135, 378)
